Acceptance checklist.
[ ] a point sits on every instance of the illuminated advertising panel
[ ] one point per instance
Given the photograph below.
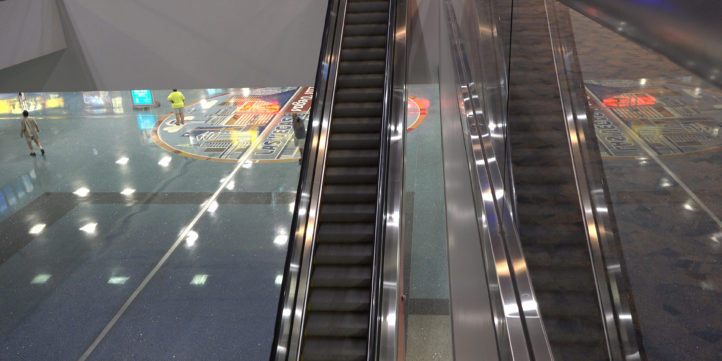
(142, 97)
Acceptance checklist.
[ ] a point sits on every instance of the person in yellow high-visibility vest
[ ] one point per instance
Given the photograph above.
(177, 100)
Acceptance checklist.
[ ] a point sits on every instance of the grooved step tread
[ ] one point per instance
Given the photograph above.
(337, 324)
(355, 140)
(349, 193)
(334, 349)
(339, 300)
(345, 233)
(367, 6)
(381, 17)
(340, 212)
(376, 41)
(365, 29)
(351, 175)
(363, 54)
(360, 94)
(364, 157)
(337, 276)
(344, 254)
(350, 124)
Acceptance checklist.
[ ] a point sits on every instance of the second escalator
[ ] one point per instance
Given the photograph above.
(339, 307)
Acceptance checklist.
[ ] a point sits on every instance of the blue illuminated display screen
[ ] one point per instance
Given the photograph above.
(142, 97)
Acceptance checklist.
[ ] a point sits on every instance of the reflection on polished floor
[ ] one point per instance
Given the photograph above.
(658, 128)
(134, 239)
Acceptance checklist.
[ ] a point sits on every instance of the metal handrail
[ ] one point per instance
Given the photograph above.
(307, 195)
(381, 201)
(523, 326)
(597, 209)
(383, 334)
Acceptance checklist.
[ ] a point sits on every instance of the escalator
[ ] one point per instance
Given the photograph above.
(551, 227)
(339, 304)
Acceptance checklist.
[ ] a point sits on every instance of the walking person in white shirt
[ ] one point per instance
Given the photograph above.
(30, 130)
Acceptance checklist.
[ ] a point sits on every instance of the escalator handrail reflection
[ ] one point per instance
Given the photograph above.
(604, 247)
(526, 334)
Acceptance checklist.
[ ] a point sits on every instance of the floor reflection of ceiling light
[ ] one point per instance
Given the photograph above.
(191, 239)
(82, 192)
(665, 183)
(165, 161)
(280, 240)
(89, 228)
(689, 205)
(127, 191)
(213, 207)
(279, 280)
(37, 229)
(291, 207)
(642, 81)
(118, 280)
(122, 161)
(199, 280)
(41, 278)
(231, 185)
(247, 164)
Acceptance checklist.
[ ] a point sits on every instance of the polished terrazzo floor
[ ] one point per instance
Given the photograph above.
(175, 257)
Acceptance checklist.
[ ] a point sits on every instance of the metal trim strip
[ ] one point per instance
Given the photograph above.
(390, 281)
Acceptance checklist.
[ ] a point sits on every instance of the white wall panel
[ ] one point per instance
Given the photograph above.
(160, 44)
(28, 29)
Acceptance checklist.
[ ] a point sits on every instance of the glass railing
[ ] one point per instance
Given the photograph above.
(648, 150)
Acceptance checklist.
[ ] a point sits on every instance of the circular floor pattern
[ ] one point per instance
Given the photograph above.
(227, 126)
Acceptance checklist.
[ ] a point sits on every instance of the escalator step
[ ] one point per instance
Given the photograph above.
(551, 214)
(344, 254)
(572, 352)
(540, 138)
(337, 325)
(367, 6)
(541, 175)
(341, 276)
(361, 81)
(345, 233)
(350, 125)
(381, 17)
(544, 157)
(557, 257)
(359, 94)
(348, 212)
(571, 305)
(349, 193)
(334, 349)
(351, 175)
(365, 54)
(538, 122)
(366, 29)
(571, 280)
(574, 331)
(367, 109)
(339, 299)
(563, 234)
(354, 140)
(365, 157)
(376, 41)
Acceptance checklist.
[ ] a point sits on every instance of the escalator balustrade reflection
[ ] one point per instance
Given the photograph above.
(550, 223)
